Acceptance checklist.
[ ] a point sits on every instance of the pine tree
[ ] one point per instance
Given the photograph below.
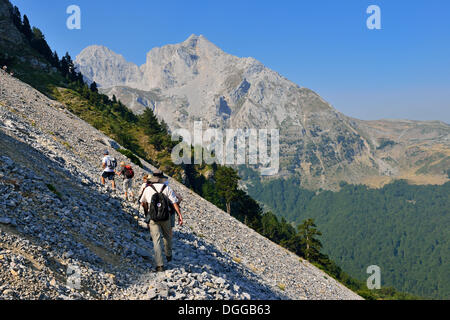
(55, 60)
(164, 127)
(150, 123)
(68, 68)
(39, 43)
(17, 18)
(153, 128)
(64, 66)
(26, 28)
(37, 34)
(93, 87)
(312, 246)
(79, 78)
(227, 184)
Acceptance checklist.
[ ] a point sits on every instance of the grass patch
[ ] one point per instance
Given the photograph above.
(67, 145)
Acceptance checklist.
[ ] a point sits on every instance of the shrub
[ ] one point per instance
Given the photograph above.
(53, 189)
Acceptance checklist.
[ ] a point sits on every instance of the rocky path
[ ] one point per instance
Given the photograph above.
(58, 225)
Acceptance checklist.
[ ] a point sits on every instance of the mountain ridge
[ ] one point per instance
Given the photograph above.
(195, 80)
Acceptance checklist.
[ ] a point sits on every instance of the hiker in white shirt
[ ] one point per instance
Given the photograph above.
(164, 180)
(108, 169)
(160, 229)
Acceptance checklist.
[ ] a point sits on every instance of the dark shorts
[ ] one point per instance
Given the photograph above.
(108, 175)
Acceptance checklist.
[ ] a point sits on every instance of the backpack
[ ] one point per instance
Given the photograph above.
(129, 173)
(159, 206)
(111, 163)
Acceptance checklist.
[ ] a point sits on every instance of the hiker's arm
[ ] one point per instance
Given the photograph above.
(180, 217)
(145, 205)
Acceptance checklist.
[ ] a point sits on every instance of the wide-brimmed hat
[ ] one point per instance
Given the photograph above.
(157, 176)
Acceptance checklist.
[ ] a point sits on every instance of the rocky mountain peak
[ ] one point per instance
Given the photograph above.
(195, 80)
(175, 65)
(194, 40)
(98, 51)
(201, 45)
(107, 68)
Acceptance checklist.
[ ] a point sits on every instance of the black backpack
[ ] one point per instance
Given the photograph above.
(111, 163)
(159, 206)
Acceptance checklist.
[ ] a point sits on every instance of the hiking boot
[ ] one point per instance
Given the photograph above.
(160, 269)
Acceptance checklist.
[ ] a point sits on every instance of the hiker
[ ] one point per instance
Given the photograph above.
(146, 182)
(143, 185)
(109, 165)
(157, 200)
(165, 180)
(5, 68)
(128, 175)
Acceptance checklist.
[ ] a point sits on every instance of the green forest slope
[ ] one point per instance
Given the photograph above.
(402, 228)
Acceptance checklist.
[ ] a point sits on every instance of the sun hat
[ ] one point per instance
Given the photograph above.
(157, 176)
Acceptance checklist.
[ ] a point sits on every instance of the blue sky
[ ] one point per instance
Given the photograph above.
(401, 71)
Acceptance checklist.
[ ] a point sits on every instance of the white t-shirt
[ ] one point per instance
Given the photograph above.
(141, 189)
(104, 161)
(149, 192)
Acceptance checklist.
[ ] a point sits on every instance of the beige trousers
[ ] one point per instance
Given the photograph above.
(158, 230)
